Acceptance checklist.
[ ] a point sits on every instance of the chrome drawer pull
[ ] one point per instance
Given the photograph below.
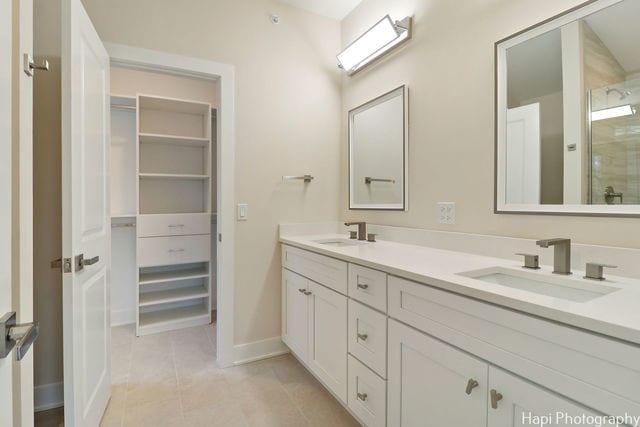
(471, 385)
(176, 250)
(363, 337)
(495, 398)
(362, 396)
(361, 286)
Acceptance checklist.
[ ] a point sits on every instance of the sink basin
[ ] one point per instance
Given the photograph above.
(339, 242)
(567, 288)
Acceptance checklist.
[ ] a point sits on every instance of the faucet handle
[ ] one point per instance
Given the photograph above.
(531, 261)
(594, 270)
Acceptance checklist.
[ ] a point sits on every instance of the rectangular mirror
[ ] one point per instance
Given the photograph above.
(378, 153)
(567, 114)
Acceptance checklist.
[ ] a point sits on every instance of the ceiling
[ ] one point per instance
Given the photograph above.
(336, 9)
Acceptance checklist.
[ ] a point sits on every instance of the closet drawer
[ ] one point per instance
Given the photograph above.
(368, 337)
(367, 394)
(156, 251)
(173, 225)
(368, 286)
(329, 272)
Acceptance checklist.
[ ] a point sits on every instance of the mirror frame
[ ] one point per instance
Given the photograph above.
(404, 205)
(501, 46)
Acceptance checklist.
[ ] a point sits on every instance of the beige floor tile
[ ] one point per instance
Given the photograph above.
(165, 413)
(139, 393)
(227, 415)
(205, 391)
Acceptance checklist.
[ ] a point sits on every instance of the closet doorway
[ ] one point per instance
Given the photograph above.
(172, 194)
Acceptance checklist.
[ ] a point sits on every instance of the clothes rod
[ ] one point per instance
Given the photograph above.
(123, 225)
(123, 107)
(369, 180)
(305, 178)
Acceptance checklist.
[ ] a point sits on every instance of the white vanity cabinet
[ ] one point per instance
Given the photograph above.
(432, 383)
(440, 358)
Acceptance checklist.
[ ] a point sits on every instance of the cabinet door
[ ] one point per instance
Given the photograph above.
(519, 403)
(433, 384)
(328, 338)
(295, 311)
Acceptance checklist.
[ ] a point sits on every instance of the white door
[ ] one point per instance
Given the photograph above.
(295, 313)
(6, 377)
(328, 338)
(519, 403)
(433, 384)
(523, 154)
(85, 218)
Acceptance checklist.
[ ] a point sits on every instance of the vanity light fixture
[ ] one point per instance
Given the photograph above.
(609, 113)
(384, 36)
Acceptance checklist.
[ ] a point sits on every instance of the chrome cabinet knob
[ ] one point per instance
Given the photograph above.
(362, 396)
(495, 398)
(362, 286)
(302, 291)
(471, 384)
(363, 337)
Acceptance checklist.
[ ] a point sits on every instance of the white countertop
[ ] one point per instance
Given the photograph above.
(616, 314)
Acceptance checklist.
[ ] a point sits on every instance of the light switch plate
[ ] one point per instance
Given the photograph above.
(446, 212)
(243, 211)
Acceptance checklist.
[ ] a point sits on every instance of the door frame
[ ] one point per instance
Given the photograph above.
(224, 74)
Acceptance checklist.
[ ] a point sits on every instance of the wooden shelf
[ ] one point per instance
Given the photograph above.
(172, 276)
(165, 317)
(156, 138)
(172, 295)
(185, 177)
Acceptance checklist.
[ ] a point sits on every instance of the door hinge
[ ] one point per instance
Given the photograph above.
(66, 265)
(29, 65)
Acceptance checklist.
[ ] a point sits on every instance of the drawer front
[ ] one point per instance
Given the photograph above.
(367, 396)
(156, 251)
(173, 225)
(368, 286)
(321, 269)
(598, 372)
(368, 337)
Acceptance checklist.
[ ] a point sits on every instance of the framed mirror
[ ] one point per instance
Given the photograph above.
(378, 147)
(568, 114)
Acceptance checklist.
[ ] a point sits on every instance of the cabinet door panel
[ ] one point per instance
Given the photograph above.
(295, 313)
(525, 404)
(427, 382)
(328, 338)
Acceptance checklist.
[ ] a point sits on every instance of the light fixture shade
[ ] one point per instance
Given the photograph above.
(380, 38)
(609, 113)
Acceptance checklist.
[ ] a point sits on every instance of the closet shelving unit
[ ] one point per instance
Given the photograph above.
(173, 199)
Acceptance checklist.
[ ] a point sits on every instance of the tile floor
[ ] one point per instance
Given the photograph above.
(171, 379)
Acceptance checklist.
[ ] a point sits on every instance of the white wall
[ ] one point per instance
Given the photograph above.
(287, 119)
(449, 68)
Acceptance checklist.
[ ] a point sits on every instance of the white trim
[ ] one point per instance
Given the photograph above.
(48, 396)
(501, 110)
(140, 58)
(258, 350)
(123, 317)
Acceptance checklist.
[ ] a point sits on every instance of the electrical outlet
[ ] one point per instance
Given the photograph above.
(446, 212)
(243, 211)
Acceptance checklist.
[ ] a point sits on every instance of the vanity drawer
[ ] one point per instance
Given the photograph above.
(173, 225)
(596, 371)
(367, 395)
(368, 337)
(156, 251)
(368, 286)
(329, 272)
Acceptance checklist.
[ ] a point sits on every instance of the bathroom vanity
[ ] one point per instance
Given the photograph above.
(411, 335)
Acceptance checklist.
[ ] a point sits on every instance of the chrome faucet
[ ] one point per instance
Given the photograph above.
(362, 229)
(561, 254)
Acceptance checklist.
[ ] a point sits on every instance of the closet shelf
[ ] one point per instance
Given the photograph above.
(188, 177)
(172, 295)
(162, 317)
(156, 138)
(171, 276)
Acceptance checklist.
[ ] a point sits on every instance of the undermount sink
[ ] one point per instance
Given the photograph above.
(339, 242)
(562, 287)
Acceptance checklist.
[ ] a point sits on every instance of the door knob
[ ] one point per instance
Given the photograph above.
(18, 336)
(81, 261)
(471, 384)
(495, 398)
(29, 64)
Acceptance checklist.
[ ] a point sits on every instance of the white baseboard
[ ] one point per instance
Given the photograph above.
(122, 317)
(258, 350)
(48, 396)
